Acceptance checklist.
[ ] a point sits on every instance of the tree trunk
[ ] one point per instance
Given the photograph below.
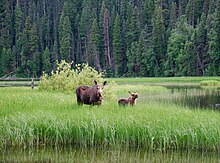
(106, 38)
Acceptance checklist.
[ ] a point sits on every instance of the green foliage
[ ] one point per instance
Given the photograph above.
(114, 36)
(65, 37)
(1, 72)
(158, 41)
(210, 83)
(7, 60)
(117, 47)
(47, 68)
(95, 51)
(66, 79)
(179, 49)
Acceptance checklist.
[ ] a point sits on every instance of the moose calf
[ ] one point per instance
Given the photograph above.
(130, 100)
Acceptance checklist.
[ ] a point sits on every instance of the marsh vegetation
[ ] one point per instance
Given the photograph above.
(32, 118)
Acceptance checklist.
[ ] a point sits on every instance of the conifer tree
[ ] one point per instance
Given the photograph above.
(94, 43)
(18, 30)
(173, 16)
(30, 57)
(106, 33)
(35, 57)
(7, 62)
(159, 41)
(101, 36)
(5, 25)
(214, 43)
(47, 68)
(190, 12)
(4, 61)
(147, 64)
(117, 45)
(179, 49)
(201, 45)
(65, 38)
(133, 27)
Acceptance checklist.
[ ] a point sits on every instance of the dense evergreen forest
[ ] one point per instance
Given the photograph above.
(123, 37)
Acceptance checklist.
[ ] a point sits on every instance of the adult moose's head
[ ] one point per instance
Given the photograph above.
(90, 95)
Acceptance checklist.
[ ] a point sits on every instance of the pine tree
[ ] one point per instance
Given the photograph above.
(133, 64)
(94, 43)
(201, 45)
(35, 57)
(213, 67)
(190, 12)
(179, 8)
(6, 38)
(179, 50)
(106, 30)
(149, 7)
(4, 61)
(212, 6)
(30, 57)
(7, 61)
(47, 68)
(146, 56)
(5, 25)
(218, 24)
(173, 16)
(133, 27)
(25, 49)
(214, 43)
(1, 67)
(65, 38)
(18, 30)
(117, 45)
(123, 17)
(84, 27)
(159, 41)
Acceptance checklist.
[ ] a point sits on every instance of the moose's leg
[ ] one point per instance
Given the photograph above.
(79, 101)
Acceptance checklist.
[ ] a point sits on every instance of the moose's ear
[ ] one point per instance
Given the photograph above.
(95, 82)
(105, 82)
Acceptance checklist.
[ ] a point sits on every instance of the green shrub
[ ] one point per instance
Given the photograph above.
(66, 79)
(209, 83)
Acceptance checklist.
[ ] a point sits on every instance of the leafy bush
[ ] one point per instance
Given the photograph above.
(209, 83)
(66, 79)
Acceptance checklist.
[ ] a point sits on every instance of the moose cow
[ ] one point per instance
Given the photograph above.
(129, 101)
(90, 95)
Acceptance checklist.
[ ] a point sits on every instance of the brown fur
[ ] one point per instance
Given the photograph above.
(130, 100)
(90, 95)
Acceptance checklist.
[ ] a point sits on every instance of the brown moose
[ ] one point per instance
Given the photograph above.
(128, 101)
(90, 95)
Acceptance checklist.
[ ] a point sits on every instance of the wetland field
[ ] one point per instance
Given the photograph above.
(173, 119)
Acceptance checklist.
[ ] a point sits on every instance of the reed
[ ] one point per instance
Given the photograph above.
(210, 83)
(33, 118)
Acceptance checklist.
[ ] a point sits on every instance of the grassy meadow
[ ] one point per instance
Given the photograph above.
(35, 118)
(165, 80)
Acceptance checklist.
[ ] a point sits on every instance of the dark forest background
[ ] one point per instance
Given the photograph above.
(123, 37)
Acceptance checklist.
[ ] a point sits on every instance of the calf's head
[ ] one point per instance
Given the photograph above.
(133, 95)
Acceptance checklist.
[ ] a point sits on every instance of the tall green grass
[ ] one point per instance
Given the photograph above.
(33, 118)
(164, 80)
(210, 83)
